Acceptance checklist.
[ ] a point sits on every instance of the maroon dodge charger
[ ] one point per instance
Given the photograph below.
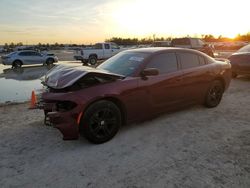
(131, 86)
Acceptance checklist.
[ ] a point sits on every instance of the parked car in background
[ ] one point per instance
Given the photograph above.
(240, 61)
(99, 51)
(166, 43)
(21, 48)
(28, 57)
(1, 49)
(131, 86)
(193, 43)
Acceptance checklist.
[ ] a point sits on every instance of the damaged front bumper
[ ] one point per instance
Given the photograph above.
(66, 121)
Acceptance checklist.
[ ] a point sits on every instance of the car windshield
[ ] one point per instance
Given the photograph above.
(124, 63)
(245, 49)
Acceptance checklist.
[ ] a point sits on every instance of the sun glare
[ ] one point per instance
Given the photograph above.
(167, 18)
(130, 18)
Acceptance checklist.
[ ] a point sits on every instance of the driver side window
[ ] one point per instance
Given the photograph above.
(165, 63)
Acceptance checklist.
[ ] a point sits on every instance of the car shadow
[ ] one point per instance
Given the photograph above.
(151, 120)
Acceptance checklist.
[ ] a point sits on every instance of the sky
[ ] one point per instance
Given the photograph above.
(90, 21)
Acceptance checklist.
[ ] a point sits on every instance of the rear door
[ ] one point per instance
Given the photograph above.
(163, 90)
(197, 75)
(36, 58)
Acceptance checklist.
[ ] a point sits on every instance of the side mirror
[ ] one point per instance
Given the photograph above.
(149, 72)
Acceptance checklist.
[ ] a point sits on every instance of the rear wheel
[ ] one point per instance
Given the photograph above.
(214, 94)
(101, 122)
(17, 64)
(92, 60)
(50, 61)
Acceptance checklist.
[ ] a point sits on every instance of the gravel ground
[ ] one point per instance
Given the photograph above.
(195, 147)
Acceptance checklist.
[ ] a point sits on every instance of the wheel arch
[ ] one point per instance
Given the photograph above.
(95, 55)
(49, 59)
(16, 61)
(221, 79)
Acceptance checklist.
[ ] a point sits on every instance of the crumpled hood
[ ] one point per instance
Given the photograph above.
(63, 76)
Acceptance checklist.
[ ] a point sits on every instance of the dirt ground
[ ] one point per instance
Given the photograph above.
(195, 147)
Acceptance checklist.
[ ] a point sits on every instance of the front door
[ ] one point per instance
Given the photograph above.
(164, 90)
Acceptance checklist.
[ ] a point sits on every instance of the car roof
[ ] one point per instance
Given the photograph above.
(26, 51)
(163, 49)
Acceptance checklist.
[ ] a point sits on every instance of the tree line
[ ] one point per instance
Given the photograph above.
(133, 41)
(149, 40)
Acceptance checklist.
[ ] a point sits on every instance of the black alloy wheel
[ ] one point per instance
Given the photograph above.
(214, 94)
(101, 122)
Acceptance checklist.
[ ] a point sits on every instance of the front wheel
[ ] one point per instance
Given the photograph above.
(214, 94)
(101, 122)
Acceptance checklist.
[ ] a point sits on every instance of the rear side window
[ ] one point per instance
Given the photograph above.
(98, 46)
(34, 54)
(202, 60)
(24, 53)
(189, 60)
(165, 63)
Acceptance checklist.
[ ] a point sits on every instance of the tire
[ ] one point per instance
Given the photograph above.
(101, 122)
(17, 64)
(214, 94)
(49, 61)
(92, 60)
(234, 75)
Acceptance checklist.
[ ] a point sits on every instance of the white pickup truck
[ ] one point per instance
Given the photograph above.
(99, 51)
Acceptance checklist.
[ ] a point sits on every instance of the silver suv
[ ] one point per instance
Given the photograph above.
(28, 57)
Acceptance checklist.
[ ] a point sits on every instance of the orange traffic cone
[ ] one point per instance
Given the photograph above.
(33, 100)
